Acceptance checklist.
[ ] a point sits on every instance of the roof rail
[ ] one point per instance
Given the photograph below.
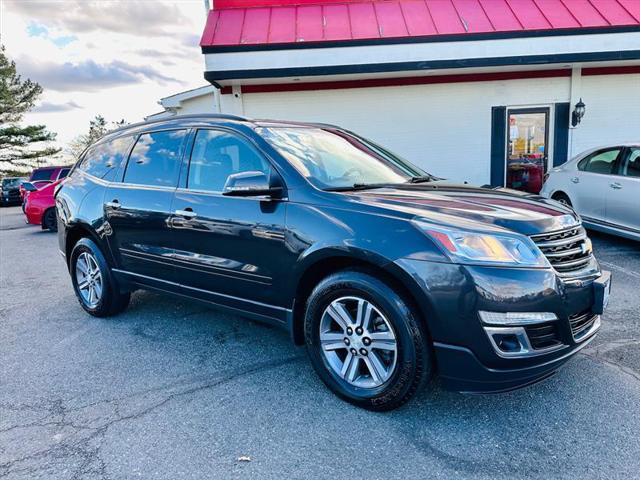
(220, 116)
(223, 116)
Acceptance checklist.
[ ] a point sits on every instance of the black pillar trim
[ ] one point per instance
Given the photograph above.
(498, 145)
(561, 133)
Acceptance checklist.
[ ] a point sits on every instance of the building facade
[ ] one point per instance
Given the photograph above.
(484, 91)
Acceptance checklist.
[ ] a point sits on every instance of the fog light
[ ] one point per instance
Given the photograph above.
(515, 318)
(513, 342)
(507, 343)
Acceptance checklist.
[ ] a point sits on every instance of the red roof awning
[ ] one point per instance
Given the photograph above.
(255, 23)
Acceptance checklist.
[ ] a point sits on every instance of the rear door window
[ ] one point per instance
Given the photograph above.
(155, 159)
(603, 162)
(102, 161)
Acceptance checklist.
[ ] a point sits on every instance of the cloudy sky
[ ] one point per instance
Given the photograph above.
(116, 58)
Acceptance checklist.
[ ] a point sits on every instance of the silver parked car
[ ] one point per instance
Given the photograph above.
(603, 186)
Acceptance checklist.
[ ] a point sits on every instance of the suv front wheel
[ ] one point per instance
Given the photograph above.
(93, 282)
(365, 341)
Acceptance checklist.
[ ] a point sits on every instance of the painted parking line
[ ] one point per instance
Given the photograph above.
(626, 271)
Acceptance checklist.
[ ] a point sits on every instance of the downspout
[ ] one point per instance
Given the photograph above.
(216, 100)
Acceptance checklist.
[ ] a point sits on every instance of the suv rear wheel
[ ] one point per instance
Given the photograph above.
(93, 282)
(365, 342)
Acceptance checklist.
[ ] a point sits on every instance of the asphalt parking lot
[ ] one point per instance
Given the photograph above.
(172, 390)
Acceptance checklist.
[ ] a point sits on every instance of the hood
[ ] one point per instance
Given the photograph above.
(468, 207)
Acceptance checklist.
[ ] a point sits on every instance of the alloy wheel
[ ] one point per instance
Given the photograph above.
(358, 342)
(89, 279)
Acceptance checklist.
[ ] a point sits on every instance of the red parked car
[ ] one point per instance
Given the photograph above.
(40, 207)
(42, 176)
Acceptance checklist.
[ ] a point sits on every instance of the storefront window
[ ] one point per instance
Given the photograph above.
(527, 148)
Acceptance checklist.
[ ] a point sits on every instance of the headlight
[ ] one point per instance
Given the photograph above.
(469, 247)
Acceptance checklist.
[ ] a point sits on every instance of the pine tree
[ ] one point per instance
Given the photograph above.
(20, 145)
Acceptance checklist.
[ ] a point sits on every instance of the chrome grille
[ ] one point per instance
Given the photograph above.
(543, 335)
(581, 323)
(567, 250)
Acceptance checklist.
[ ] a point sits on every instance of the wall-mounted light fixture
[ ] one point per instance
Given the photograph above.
(578, 113)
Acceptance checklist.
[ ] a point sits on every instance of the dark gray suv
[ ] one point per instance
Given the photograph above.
(387, 274)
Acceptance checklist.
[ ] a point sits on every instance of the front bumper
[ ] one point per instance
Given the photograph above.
(10, 199)
(465, 373)
(467, 360)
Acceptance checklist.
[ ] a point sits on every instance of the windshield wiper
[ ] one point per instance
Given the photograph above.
(357, 186)
(421, 179)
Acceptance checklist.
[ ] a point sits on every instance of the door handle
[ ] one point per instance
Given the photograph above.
(115, 204)
(186, 213)
(575, 180)
(615, 186)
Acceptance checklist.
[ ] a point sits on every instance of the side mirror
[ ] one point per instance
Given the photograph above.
(28, 186)
(252, 184)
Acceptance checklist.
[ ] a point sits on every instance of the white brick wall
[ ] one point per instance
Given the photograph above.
(201, 104)
(613, 111)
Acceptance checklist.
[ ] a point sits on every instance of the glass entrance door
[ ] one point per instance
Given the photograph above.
(527, 148)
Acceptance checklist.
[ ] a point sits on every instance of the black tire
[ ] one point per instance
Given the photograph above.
(413, 364)
(562, 198)
(50, 220)
(111, 300)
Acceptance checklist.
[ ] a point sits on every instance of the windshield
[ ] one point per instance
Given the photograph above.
(333, 159)
(11, 182)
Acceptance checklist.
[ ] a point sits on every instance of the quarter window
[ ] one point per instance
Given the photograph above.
(216, 155)
(632, 165)
(102, 161)
(600, 162)
(155, 160)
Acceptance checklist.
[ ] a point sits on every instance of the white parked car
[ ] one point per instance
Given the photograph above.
(603, 186)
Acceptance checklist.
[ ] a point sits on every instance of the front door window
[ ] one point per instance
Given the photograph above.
(218, 154)
(527, 148)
